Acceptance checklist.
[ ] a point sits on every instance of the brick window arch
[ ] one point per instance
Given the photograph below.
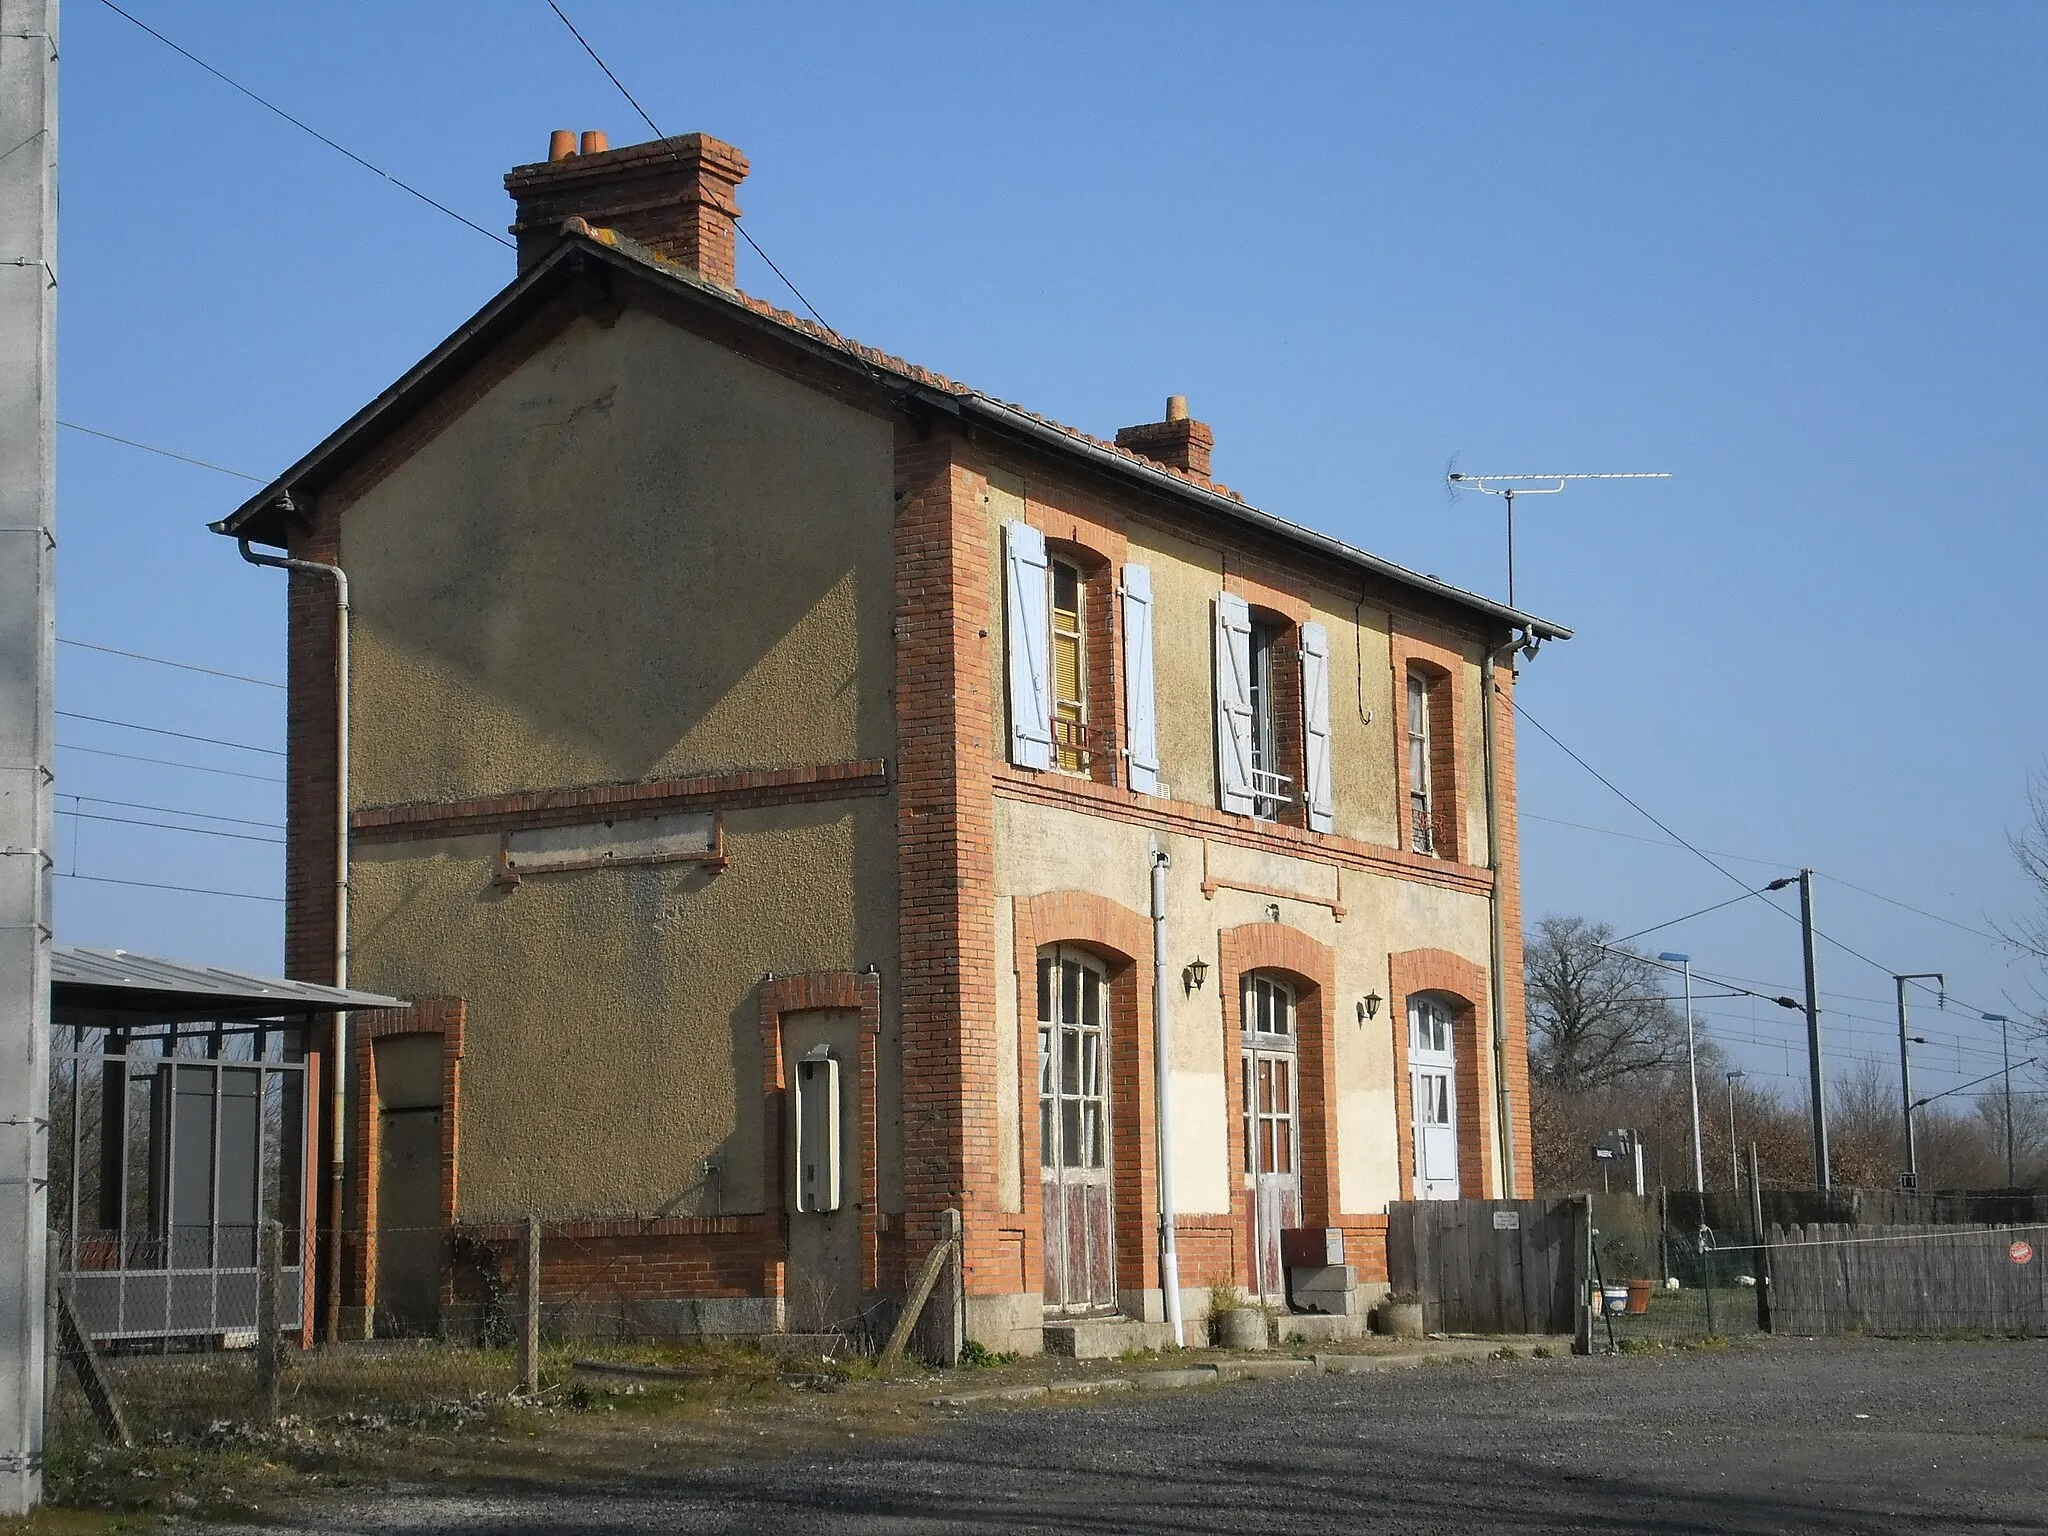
(1457, 982)
(1122, 940)
(1309, 967)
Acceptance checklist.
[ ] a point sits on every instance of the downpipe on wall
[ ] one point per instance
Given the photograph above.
(339, 1112)
(1162, 1089)
(1496, 912)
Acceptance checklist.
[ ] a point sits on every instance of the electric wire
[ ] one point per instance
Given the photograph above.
(155, 885)
(165, 762)
(1674, 922)
(129, 442)
(655, 128)
(165, 661)
(306, 128)
(158, 730)
(165, 826)
(171, 810)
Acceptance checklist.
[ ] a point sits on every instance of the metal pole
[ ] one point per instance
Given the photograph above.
(28, 482)
(1734, 1153)
(1509, 498)
(1823, 1177)
(2005, 1050)
(1162, 1090)
(1906, 1071)
(1692, 1072)
(529, 1309)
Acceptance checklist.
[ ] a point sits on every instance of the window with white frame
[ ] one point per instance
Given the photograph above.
(1269, 786)
(1421, 818)
(1067, 593)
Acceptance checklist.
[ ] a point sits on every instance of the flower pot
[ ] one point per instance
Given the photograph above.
(1401, 1319)
(1639, 1296)
(1614, 1299)
(1243, 1328)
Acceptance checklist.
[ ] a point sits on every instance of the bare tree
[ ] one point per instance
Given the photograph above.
(1597, 1015)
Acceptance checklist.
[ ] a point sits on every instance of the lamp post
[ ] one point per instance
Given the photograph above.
(1734, 1163)
(1906, 1070)
(1823, 1179)
(2005, 1051)
(1692, 1071)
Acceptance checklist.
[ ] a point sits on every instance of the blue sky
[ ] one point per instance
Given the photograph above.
(1789, 254)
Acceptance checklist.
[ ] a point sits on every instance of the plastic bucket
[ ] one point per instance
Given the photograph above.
(1614, 1300)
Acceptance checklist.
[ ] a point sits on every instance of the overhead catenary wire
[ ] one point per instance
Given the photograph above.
(1675, 921)
(158, 730)
(166, 762)
(165, 826)
(303, 127)
(170, 810)
(157, 885)
(165, 661)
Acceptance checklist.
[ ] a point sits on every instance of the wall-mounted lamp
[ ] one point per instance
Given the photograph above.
(1193, 974)
(1368, 1007)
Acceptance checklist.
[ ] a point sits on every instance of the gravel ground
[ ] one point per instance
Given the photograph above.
(1790, 1435)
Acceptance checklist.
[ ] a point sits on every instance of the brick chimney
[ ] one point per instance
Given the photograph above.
(674, 196)
(1177, 442)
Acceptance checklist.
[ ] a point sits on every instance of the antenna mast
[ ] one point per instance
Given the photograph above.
(1508, 487)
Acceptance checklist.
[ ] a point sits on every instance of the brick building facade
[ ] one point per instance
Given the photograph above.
(758, 740)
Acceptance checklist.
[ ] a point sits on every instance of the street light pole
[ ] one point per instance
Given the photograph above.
(1734, 1162)
(2005, 1050)
(1906, 1072)
(1692, 1072)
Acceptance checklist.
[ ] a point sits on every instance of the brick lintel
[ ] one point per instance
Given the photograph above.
(571, 805)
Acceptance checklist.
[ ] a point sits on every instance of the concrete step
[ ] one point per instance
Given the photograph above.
(1095, 1338)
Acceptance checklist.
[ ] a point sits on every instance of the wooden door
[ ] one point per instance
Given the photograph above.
(1073, 1132)
(1433, 1098)
(1270, 1091)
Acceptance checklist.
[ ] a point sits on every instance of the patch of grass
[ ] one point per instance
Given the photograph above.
(1637, 1347)
(976, 1356)
(1544, 1352)
(1505, 1352)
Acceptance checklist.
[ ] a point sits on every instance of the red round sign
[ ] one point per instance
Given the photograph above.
(2021, 1252)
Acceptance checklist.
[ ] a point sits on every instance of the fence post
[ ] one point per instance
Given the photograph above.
(269, 1351)
(1760, 1254)
(529, 1326)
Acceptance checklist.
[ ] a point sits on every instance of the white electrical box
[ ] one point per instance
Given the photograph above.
(817, 1131)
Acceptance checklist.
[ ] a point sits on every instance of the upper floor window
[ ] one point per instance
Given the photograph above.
(1421, 818)
(1271, 788)
(1069, 668)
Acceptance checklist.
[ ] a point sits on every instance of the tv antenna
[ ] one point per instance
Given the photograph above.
(1508, 487)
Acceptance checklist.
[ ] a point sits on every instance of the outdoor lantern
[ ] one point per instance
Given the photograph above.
(1194, 974)
(1368, 1007)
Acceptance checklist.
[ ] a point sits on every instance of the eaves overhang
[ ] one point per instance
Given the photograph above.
(262, 519)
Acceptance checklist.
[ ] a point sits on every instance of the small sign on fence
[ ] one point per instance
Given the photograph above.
(1507, 1221)
(2022, 1252)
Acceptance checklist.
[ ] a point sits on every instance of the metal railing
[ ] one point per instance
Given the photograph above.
(1429, 831)
(1270, 791)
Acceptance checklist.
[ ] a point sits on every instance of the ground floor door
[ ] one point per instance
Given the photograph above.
(1272, 1127)
(1433, 1098)
(409, 1236)
(1073, 1132)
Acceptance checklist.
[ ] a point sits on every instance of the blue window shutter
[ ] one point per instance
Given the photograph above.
(1315, 712)
(1029, 645)
(1233, 703)
(1141, 721)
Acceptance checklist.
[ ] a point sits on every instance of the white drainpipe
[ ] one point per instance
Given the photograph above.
(1162, 1088)
(341, 803)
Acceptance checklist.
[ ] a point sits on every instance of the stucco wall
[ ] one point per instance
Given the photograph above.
(639, 555)
(613, 1035)
(1042, 848)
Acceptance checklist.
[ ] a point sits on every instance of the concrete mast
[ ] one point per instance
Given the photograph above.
(28, 480)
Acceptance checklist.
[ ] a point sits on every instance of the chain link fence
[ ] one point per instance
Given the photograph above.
(1659, 1282)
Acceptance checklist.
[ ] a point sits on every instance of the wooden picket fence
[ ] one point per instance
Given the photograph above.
(1832, 1278)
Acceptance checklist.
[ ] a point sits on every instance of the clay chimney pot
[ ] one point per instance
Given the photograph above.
(1176, 407)
(595, 141)
(561, 145)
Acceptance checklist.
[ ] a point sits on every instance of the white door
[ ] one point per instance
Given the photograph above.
(1433, 1096)
(1272, 1127)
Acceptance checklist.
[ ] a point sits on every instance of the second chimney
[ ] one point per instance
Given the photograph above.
(1177, 442)
(674, 196)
